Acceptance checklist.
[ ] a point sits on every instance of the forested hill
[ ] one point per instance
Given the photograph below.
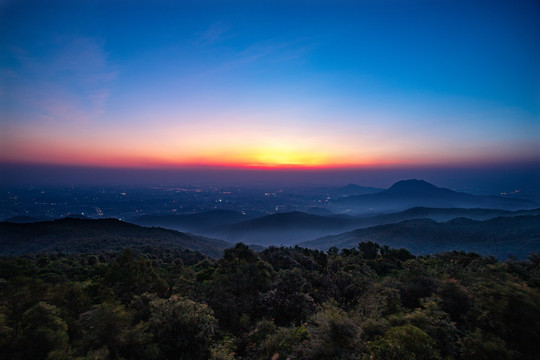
(445, 214)
(71, 235)
(412, 193)
(287, 228)
(197, 223)
(369, 302)
(502, 236)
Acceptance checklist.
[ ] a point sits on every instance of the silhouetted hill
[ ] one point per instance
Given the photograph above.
(413, 193)
(353, 189)
(418, 187)
(284, 228)
(24, 219)
(198, 222)
(502, 236)
(442, 214)
(77, 216)
(318, 211)
(290, 228)
(21, 219)
(71, 235)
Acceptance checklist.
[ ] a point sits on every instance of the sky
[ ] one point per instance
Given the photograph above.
(269, 85)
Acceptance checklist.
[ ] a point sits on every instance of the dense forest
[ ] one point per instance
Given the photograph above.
(367, 302)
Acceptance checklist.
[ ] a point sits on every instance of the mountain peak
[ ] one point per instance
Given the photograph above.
(412, 186)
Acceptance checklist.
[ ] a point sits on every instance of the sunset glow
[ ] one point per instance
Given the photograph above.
(333, 85)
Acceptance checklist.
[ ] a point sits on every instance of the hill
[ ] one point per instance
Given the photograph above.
(502, 236)
(444, 214)
(286, 228)
(71, 235)
(25, 219)
(198, 222)
(290, 228)
(413, 193)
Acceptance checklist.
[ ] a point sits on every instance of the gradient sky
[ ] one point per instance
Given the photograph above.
(286, 84)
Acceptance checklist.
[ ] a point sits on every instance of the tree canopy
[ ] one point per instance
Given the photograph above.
(367, 302)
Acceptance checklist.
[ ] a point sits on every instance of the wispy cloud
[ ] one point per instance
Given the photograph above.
(67, 79)
(267, 53)
(273, 52)
(211, 35)
(98, 99)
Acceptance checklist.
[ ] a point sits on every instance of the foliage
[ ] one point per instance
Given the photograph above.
(182, 327)
(370, 302)
(405, 342)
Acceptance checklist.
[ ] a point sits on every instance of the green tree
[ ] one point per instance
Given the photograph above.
(405, 342)
(182, 328)
(455, 299)
(510, 311)
(44, 331)
(288, 302)
(238, 282)
(102, 327)
(477, 345)
(369, 249)
(333, 334)
(129, 275)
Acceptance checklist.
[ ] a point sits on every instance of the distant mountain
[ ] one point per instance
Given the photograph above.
(77, 216)
(502, 236)
(413, 193)
(443, 214)
(21, 219)
(285, 228)
(318, 211)
(71, 235)
(353, 189)
(416, 187)
(198, 222)
(290, 228)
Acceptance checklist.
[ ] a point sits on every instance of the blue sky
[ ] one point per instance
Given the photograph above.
(269, 83)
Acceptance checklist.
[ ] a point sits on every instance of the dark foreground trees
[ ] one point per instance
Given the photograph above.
(371, 302)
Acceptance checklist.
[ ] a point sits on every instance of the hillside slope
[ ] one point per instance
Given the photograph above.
(502, 236)
(413, 193)
(198, 222)
(285, 228)
(71, 235)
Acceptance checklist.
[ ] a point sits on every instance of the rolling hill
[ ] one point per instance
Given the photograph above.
(286, 228)
(502, 236)
(71, 235)
(198, 222)
(444, 214)
(414, 193)
(290, 228)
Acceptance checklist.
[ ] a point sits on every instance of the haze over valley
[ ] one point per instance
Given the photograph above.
(284, 217)
(269, 179)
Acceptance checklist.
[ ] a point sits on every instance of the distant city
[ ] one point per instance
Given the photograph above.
(124, 203)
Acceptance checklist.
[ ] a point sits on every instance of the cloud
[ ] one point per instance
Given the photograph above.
(65, 79)
(274, 52)
(268, 53)
(99, 100)
(212, 35)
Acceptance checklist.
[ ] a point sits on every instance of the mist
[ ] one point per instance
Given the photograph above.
(477, 180)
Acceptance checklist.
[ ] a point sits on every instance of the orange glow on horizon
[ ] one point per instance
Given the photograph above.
(240, 152)
(161, 164)
(259, 162)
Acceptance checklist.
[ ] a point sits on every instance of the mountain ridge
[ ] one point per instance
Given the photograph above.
(501, 236)
(196, 222)
(73, 235)
(410, 193)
